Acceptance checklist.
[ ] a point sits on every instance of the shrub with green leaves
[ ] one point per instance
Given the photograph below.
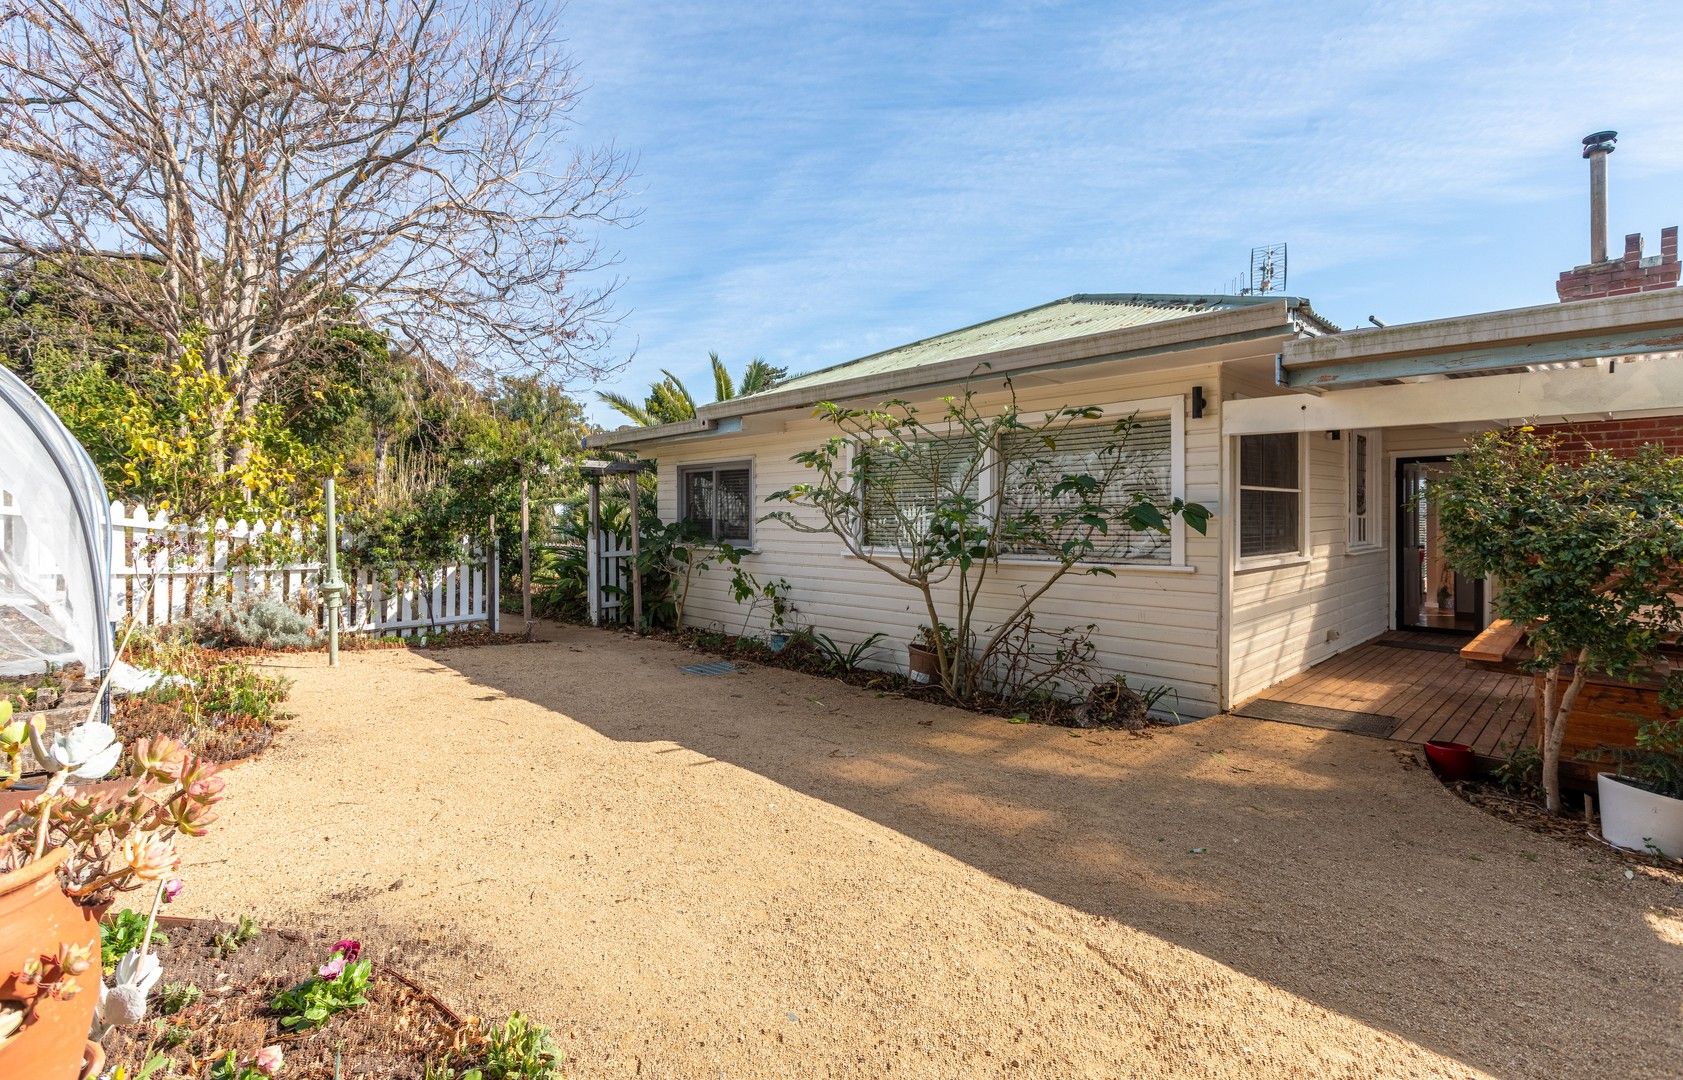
(1587, 554)
(935, 498)
(245, 931)
(518, 1049)
(121, 932)
(258, 622)
(340, 984)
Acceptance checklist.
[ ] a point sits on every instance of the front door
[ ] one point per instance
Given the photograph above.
(1430, 594)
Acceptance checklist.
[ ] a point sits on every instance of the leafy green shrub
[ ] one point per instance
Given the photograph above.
(1656, 762)
(838, 659)
(515, 1049)
(229, 941)
(252, 622)
(1521, 774)
(1587, 551)
(518, 1049)
(173, 996)
(121, 932)
(342, 983)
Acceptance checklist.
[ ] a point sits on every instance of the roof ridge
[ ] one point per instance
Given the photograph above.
(1142, 299)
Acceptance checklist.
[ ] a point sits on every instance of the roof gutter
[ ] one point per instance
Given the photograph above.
(1286, 316)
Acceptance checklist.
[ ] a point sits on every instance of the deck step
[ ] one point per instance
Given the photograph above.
(1316, 716)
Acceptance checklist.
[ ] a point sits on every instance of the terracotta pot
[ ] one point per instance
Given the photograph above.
(35, 919)
(923, 665)
(1452, 761)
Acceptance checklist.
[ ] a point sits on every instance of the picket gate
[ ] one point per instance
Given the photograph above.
(609, 586)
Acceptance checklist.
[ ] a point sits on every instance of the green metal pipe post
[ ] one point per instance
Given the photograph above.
(332, 589)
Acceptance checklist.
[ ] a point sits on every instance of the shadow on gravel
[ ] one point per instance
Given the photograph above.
(1326, 864)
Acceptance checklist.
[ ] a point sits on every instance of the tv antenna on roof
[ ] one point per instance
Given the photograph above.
(1268, 270)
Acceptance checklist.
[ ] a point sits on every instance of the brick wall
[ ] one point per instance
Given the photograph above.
(1616, 436)
(1629, 274)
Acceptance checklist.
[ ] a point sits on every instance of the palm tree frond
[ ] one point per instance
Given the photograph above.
(760, 376)
(626, 408)
(723, 388)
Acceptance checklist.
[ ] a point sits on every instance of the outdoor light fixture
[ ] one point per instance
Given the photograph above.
(1197, 403)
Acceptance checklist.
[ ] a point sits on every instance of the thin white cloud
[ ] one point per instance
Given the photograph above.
(820, 183)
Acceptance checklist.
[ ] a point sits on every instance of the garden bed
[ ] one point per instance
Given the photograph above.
(1527, 812)
(803, 655)
(217, 704)
(400, 1031)
(63, 688)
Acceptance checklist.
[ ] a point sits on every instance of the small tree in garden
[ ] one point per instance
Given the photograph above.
(1586, 555)
(935, 501)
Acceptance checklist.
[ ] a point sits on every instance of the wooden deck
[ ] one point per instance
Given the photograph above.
(1406, 686)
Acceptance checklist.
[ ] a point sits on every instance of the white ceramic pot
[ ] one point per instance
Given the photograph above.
(1636, 818)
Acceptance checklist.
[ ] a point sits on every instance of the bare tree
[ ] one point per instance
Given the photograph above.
(238, 174)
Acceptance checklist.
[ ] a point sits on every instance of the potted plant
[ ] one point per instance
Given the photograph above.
(65, 851)
(1642, 803)
(774, 595)
(924, 651)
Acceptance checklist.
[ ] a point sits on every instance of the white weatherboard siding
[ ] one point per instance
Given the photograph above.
(1156, 626)
(1290, 617)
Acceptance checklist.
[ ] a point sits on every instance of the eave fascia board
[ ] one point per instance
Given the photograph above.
(631, 436)
(1471, 344)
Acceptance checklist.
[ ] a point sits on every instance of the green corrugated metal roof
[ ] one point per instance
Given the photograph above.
(1072, 317)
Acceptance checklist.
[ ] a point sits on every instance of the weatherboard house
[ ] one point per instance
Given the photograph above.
(1310, 445)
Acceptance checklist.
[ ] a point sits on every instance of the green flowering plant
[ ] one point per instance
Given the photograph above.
(339, 984)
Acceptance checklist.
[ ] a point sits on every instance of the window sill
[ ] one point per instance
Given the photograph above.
(1009, 560)
(1270, 562)
(715, 545)
(1366, 549)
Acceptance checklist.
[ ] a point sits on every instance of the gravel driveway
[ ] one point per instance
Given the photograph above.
(769, 875)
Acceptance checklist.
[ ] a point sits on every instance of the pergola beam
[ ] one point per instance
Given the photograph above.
(1654, 385)
(1483, 361)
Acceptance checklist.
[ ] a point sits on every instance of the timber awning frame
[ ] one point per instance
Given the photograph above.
(1518, 339)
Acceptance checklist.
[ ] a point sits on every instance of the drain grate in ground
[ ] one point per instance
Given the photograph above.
(1359, 723)
(713, 667)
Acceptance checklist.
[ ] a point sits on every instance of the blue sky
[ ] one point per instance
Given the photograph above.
(817, 182)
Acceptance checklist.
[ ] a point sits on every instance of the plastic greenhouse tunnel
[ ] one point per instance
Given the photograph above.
(55, 559)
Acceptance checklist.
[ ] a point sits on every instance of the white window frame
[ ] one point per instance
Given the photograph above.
(716, 467)
(1367, 531)
(1174, 407)
(1278, 558)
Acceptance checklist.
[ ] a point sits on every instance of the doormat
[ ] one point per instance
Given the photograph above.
(1424, 646)
(712, 667)
(1357, 723)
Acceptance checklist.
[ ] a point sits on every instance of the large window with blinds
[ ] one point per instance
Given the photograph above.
(1270, 495)
(1141, 462)
(718, 501)
(903, 484)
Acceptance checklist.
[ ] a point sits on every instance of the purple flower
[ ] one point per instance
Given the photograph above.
(172, 889)
(344, 952)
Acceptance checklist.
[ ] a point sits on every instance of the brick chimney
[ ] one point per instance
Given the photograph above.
(1630, 273)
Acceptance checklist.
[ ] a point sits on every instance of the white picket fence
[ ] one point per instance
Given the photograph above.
(609, 587)
(162, 571)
